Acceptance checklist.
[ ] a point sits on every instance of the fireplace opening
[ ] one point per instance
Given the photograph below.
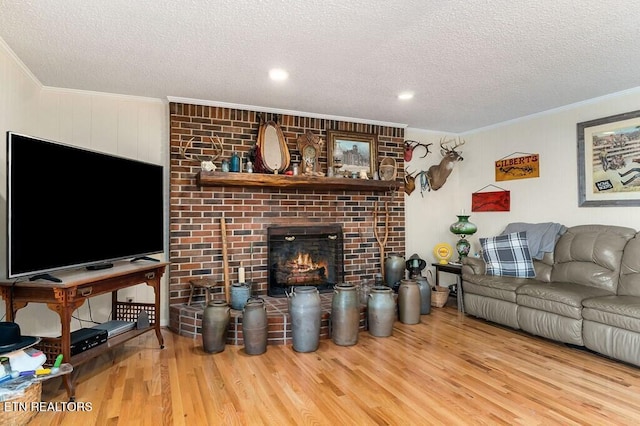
(304, 256)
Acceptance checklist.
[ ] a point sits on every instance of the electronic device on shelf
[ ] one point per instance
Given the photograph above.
(115, 327)
(87, 338)
(70, 207)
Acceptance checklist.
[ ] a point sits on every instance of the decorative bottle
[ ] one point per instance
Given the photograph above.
(234, 163)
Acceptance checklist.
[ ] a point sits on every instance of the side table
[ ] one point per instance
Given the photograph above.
(455, 269)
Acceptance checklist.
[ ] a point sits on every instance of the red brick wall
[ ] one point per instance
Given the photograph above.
(196, 239)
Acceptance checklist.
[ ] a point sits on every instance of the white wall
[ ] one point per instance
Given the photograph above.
(553, 197)
(428, 214)
(127, 126)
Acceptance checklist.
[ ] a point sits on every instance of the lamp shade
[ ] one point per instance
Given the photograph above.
(463, 226)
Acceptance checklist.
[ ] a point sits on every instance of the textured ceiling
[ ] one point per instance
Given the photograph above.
(470, 63)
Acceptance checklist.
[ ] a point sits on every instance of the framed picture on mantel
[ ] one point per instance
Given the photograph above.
(352, 151)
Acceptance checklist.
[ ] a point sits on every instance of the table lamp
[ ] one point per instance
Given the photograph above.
(463, 228)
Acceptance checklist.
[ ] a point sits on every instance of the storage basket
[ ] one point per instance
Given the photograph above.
(439, 296)
(19, 417)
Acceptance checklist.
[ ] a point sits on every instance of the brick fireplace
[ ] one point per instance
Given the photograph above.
(196, 211)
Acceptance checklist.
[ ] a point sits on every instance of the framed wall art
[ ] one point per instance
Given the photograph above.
(609, 161)
(352, 151)
(491, 201)
(519, 165)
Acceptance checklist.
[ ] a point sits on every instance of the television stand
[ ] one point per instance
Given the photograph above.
(76, 287)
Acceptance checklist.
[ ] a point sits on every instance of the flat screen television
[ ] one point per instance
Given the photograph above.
(69, 207)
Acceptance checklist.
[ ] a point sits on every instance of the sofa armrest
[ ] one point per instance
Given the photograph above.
(473, 266)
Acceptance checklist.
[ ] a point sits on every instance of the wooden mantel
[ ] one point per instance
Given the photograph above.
(294, 182)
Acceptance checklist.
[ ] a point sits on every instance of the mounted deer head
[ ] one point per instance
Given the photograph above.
(437, 175)
(409, 182)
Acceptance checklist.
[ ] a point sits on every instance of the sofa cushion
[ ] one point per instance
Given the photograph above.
(618, 311)
(614, 342)
(498, 311)
(503, 288)
(630, 269)
(508, 255)
(560, 298)
(591, 255)
(550, 325)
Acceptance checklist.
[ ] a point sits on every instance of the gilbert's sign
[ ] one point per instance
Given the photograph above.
(524, 167)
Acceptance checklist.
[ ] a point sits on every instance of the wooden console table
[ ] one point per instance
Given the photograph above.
(76, 287)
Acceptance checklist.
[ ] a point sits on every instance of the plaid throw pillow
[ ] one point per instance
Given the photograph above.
(508, 255)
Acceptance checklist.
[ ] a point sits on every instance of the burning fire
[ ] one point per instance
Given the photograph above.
(303, 263)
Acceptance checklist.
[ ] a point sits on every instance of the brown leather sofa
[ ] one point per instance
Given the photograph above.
(585, 293)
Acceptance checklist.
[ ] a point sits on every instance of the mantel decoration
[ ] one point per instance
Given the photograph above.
(608, 161)
(309, 146)
(271, 153)
(463, 228)
(353, 151)
(388, 169)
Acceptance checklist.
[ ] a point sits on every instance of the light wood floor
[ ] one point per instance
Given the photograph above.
(449, 369)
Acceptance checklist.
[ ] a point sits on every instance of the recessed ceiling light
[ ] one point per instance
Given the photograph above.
(278, 74)
(405, 96)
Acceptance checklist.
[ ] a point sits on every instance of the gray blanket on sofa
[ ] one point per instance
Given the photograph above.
(541, 237)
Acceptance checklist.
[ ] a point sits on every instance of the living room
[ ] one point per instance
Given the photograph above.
(140, 127)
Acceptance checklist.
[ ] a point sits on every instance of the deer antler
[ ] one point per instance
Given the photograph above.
(458, 143)
(215, 141)
(407, 172)
(411, 145)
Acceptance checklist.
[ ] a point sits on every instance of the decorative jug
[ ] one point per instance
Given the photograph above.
(255, 326)
(215, 322)
(345, 315)
(305, 311)
(409, 302)
(381, 311)
(394, 266)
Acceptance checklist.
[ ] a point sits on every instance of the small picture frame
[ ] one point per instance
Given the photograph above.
(353, 151)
